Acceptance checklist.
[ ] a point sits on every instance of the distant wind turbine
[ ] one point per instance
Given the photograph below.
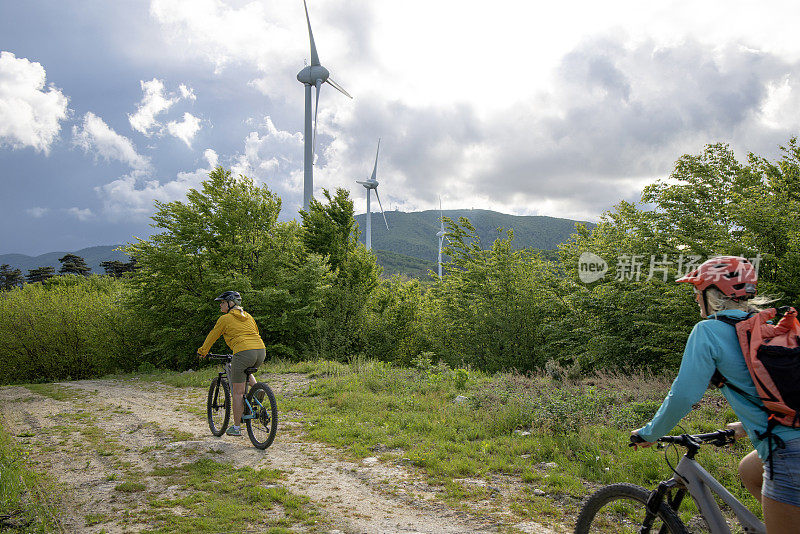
(370, 185)
(313, 75)
(440, 234)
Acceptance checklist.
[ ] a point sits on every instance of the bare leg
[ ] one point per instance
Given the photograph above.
(751, 471)
(252, 381)
(238, 402)
(779, 517)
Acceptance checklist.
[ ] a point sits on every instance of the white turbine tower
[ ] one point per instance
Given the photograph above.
(372, 185)
(313, 75)
(440, 234)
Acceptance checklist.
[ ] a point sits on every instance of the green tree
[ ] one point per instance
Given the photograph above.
(73, 264)
(712, 204)
(496, 308)
(10, 278)
(224, 236)
(330, 231)
(40, 274)
(118, 268)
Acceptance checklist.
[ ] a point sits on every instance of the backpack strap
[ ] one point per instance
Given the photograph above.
(718, 380)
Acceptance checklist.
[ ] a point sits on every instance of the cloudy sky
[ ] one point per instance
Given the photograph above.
(532, 108)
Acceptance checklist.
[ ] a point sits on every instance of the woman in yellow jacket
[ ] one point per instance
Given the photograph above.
(240, 332)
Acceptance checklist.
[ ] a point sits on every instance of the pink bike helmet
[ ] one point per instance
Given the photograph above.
(733, 275)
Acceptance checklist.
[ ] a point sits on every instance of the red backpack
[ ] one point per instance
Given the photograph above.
(772, 355)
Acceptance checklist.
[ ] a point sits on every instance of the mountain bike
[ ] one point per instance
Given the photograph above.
(630, 508)
(260, 413)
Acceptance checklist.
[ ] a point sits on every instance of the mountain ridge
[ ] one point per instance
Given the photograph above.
(410, 246)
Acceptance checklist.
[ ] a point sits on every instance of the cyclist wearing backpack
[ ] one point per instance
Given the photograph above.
(240, 332)
(725, 289)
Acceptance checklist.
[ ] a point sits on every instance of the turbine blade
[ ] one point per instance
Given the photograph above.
(375, 169)
(316, 109)
(338, 88)
(381, 205)
(314, 56)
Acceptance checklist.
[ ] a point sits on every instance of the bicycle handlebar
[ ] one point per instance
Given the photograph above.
(717, 438)
(220, 357)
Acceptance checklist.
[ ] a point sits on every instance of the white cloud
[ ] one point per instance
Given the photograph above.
(29, 114)
(225, 34)
(37, 212)
(185, 130)
(95, 135)
(274, 157)
(154, 102)
(132, 195)
(81, 214)
(187, 93)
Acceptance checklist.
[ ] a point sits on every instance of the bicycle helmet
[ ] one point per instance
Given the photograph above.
(231, 296)
(734, 276)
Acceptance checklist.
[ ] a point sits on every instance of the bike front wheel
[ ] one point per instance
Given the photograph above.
(218, 406)
(263, 426)
(621, 508)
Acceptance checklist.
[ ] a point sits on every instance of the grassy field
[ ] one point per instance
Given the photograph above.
(553, 439)
(25, 505)
(562, 438)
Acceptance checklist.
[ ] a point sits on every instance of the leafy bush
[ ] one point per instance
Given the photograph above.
(67, 327)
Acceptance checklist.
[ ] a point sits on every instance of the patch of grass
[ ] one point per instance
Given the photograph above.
(221, 498)
(56, 391)
(560, 437)
(130, 486)
(25, 502)
(179, 435)
(94, 519)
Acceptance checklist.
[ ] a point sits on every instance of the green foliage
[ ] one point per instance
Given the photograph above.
(330, 230)
(72, 264)
(23, 503)
(712, 204)
(40, 274)
(10, 278)
(226, 236)
(399, 327)
(68, 327)
(495, 309)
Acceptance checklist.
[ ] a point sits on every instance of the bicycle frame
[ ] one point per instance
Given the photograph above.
(700, 485)
(248, 408)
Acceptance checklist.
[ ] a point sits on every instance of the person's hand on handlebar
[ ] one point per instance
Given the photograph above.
(738, 429)
(201, 356)
(638, 441)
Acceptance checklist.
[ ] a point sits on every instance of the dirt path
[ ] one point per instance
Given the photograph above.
(106, 431)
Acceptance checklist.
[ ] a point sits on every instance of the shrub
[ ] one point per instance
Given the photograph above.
(68, 327)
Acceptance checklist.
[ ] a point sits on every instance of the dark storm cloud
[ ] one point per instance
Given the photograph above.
(628, 114)
(619, 115)
(421, 148)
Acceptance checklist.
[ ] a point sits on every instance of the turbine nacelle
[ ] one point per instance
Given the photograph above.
(312, 73)
(369, 184)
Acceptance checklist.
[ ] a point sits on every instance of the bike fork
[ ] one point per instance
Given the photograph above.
(654, 503)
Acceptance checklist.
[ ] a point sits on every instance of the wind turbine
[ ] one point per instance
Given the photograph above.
(372, 184)
(313, 75)
(440, 234)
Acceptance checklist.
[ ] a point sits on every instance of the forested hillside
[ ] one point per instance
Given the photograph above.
(410, 247)
(414, 234)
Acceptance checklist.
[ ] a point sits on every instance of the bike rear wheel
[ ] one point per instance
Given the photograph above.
(621, 508)
(264, 425)
(218, 406)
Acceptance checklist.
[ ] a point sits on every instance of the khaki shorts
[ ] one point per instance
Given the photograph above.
(242, 360)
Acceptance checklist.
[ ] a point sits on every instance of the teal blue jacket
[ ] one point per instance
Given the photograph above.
(714, 345)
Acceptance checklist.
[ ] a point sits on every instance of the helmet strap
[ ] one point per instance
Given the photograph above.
(705, 302)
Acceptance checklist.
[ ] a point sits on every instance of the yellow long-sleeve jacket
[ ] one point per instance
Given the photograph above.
(239, 330)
